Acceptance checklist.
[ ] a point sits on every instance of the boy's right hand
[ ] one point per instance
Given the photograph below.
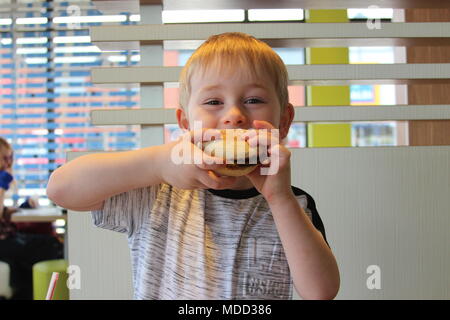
(180, 170)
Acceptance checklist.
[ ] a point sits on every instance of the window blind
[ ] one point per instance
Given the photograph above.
(45, 89)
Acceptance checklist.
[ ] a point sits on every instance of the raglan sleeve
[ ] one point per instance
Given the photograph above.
(309, 205)
(125, 212)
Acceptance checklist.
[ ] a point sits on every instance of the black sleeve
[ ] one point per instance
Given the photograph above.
(311, 205)
(316, 220)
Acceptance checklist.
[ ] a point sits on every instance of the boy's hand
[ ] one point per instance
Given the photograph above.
(192, 170)
(277, 181)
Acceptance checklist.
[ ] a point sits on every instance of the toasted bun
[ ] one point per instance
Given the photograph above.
(233, 170)
(237, 151)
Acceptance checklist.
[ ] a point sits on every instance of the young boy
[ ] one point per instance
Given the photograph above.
(192, 233)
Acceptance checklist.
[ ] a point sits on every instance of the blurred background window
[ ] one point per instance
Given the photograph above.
(364, 134)
(45, 91)
(46, 95)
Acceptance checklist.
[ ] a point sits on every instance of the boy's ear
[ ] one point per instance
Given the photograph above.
(286, 120)
(183, 122)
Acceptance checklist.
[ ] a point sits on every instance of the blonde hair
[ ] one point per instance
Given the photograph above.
(240, 51)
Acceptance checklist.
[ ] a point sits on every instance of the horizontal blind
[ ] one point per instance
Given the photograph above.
(384, 133)
(45, 90)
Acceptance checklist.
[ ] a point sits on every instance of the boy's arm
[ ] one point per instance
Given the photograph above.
(313, 267)
(312, 264)
(84, 183)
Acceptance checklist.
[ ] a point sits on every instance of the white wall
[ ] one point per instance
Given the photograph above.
(103, 259)
(102, 256)
(388, 207)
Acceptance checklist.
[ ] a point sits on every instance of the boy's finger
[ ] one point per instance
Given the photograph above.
(263, 138)
(262, 124)
(212, 181)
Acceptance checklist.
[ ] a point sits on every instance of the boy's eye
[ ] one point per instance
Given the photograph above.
(213, 102)
(253, 100)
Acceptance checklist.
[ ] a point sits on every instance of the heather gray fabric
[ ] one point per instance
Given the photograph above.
(202, 244)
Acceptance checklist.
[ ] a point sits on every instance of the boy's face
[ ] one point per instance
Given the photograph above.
(233, 100)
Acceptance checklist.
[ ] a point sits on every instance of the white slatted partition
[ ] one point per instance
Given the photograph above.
(306, 74)
(306, 4)
(351, 113)
(288, 34)
(381, 206)
(151, 93)
(387, 207)
(102, 256)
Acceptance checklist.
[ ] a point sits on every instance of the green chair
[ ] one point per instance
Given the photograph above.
(42, 273)
(5, 289)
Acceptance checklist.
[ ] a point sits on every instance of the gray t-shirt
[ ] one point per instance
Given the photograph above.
(202, 244)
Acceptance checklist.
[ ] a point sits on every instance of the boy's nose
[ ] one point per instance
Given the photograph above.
(235, 117)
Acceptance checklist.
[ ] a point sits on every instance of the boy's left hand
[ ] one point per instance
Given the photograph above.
(276, 182)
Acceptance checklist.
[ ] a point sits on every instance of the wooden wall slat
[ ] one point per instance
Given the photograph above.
(424, 132)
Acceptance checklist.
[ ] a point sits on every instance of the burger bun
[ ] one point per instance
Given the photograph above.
(238, 156)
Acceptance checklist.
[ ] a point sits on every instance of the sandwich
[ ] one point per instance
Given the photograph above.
(239, 158)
